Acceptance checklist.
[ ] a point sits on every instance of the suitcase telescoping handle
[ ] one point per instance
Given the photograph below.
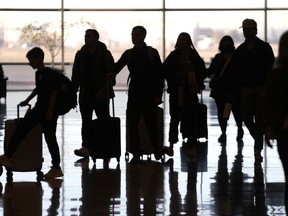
(18, 109)
(109, 87)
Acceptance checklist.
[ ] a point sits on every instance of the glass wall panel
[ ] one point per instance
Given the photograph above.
(277, 3)
(276, 26)
(215, 4)
(12, 47)
(114, 4)
(30, 4)
(207, 28)
(114, 29)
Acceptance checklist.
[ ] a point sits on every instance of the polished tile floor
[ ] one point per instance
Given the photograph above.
(224, 181)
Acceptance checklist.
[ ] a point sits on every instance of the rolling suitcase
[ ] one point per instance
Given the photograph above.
(145, 144)
(105, 138)
(202, 120)
(22, 161)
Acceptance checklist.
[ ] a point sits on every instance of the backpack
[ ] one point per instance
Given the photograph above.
(66, 97)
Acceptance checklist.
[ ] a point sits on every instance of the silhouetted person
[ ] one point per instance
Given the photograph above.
(184, 71)
(43, 113)
(219, 68)
(145, 91)
(91, 66)
(276, 107)
(251, 62)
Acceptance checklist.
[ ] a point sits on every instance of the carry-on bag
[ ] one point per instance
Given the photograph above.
(28, 156)
(105, 137)
(145, 143)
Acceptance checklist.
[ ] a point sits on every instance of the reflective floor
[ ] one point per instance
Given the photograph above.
(224, 180)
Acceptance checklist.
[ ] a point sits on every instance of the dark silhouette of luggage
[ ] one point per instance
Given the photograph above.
(105, 138)
(145, 143)
(22, 160)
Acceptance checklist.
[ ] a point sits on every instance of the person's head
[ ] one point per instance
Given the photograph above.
(35, 57)
(138, 35)
(183, 41)
(91, 37)
(249, 27)
(283, 49)
(226, 44)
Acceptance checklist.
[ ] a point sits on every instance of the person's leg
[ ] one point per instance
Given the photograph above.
(248, 104)
(49, 130)
(133, 116)
(259, 122)
(220, 103)
(86, 110)
(175, 116)
(101, 109)
(236, 110)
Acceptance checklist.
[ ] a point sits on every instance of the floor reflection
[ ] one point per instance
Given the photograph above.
(224, 179)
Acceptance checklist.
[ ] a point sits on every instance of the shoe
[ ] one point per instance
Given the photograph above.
(222, 138)
(82, 152)
(53, 173)
(240, 134)
(54, 183)
(257, 155)
(5, 161)
(168, 150)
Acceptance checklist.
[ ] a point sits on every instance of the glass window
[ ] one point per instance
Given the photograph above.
(277, 3)
(206, 32)
(30, 4)
(114, 29)
(276, 27)
(12, 47)
(185, 4)
(115, 4)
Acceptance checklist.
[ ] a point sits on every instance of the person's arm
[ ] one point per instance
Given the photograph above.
(30, 97)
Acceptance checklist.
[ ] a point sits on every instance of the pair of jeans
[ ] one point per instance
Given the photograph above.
(87, 107)
(252, 102)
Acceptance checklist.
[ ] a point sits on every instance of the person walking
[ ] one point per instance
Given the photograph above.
(276, 108)
(146, 83)
(184, 71)
(251, 62)
(219, 69)
(43, 112)
(89, 75)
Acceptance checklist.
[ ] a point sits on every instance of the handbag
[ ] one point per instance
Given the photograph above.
(214, 81)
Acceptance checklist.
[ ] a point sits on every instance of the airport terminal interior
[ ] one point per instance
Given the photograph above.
(224, 180)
